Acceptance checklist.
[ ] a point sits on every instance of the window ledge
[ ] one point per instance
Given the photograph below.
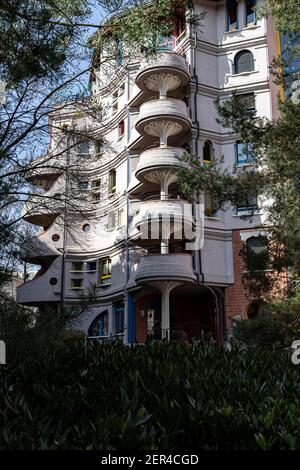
(259, 271)
(244, 73)
(242, 165)
(77, 272)
(104, 285)
(247, 213)
(76, 288)
(91, 271)
(233, 31)
(254, 26)
(212, 218)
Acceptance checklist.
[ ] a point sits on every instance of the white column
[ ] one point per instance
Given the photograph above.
(165, 287)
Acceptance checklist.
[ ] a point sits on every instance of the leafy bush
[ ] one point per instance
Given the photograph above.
(157, 396)
(261, 331)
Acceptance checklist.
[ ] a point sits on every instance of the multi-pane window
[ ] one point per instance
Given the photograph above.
(83, 185)
(249, 204)
(96, 197)
(243, 62)
(105, 271)
(244, 153)
(77, 266)
(250, 12)
(232, 17)
(119, 317)
(207, 152)
(92, 266)
(76, 283)
(96, 184)
(248, 101)
(84, 147)
(112, 180)
(99, 327)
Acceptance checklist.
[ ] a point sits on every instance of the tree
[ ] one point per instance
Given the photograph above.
(50, 51)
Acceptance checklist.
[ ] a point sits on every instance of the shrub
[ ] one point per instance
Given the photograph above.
(263, 331)
(157, 396)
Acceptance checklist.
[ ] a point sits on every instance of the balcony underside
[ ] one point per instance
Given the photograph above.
(172, 266)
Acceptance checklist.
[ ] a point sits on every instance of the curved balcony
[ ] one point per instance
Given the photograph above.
(172, 266)
(41, 212)
(175, 216)
(158, 159)
(163, 118)
(43, 247)
(43, 172)
(167, 74)
(45, 287)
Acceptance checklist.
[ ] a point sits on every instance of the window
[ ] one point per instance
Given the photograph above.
(92, 266)
(250, 12)
(84, 147)
(114, 102)
(83, 185)
(119, 317)
(121, 89)
(95, 197)
(121, 218)
(112, 178)
(98, 147)
(99, 326)
(257, 253)
(96, 184)
(77, 266)
(111, 220)
(244, 153)
(209, 205)
(207, 152)
(121, 129)
(105, 271)
(232, 19)
(248, 101)
(119, 51)
(257, 308)
(243, 62)
(76, 283)
(248, 205)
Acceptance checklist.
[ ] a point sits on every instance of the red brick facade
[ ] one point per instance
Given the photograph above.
(236, 295)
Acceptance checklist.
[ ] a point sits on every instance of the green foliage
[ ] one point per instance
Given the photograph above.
(157, 396)
(286, 14)
(261, 331)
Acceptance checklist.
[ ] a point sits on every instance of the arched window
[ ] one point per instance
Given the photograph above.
(99, 326)
(207, 152)
(257, 308)
(257, 253)
(243, 62)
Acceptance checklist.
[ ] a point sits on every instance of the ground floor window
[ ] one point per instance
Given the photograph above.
(119, 310)
(99, 326)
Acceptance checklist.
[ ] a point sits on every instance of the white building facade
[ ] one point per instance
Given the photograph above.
(146, 281)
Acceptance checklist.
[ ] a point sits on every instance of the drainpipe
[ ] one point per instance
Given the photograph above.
(200, 274)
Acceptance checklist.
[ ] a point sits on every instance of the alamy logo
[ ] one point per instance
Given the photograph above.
(2, 353)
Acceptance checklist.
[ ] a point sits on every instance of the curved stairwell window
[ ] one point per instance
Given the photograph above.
(243, 62)
(257, 253)
(119, 312)
(105, 271)
(99, 326)
(207, 152)
(209, 205)
(112, 180)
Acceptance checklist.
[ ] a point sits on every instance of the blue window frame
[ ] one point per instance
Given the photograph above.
(99, 326)
(248, 205)
(119, 317)
(244, 153)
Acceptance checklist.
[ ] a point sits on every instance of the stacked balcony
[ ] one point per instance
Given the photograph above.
(163, 216)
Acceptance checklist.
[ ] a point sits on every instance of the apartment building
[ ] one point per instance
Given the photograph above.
(150, 283)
